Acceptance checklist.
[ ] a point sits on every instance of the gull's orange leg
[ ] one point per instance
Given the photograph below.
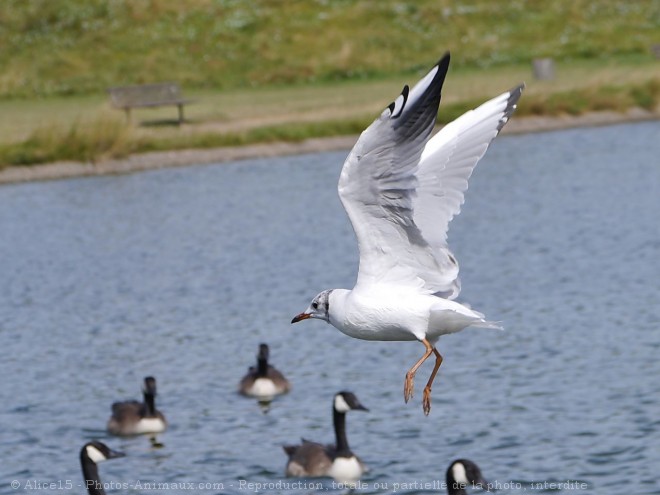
(426, 401)
(408, 384)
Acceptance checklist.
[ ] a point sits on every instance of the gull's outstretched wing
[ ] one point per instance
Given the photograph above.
(444, 169)
(377, 187)
(400, 190)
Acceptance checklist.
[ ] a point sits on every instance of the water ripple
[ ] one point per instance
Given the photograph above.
(181, 273)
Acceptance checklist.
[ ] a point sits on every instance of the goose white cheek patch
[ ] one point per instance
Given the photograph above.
(341, 405)
(95, 454)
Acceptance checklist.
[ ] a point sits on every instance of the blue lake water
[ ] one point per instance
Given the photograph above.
(181, 273)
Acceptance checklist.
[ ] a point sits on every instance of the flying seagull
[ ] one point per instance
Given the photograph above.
(401, 188)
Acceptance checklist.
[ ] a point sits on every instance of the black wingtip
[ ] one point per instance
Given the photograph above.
(511, 105)
(514, 96)
(443, 68)
(392, 106)
(517, 91)
(444, 61)
(404, 93)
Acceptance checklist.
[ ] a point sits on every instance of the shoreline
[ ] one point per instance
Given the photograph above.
(180, 158)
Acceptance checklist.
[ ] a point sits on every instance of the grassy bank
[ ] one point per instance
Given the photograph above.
(86, 129)
(266, 70)
(83, 46)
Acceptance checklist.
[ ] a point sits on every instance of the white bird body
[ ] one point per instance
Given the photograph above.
(389, 312)
(263, 387)
(263, 381)
(346, 470)
(400, 188)
(150, 425)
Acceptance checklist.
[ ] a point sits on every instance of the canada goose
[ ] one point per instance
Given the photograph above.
(134, 418)
(90, 455)
(313, 459)
(462, 473)
(263, 381)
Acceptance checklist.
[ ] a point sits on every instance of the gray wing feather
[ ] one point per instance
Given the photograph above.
(446, 164)
(401, 189)
(377, 183)
(308, 459)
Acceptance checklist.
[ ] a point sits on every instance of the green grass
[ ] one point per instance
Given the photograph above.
(83, 141)
(83, 46)
(594, 99)
(267, 70)
(109, 136)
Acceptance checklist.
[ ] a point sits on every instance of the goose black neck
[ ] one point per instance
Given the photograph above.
(91, 475)
(339, 420)
(454, 487)
(149, 404)
(262, 367)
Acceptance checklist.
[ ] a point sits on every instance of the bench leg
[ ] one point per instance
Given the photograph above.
(180, 114)
(128, 114)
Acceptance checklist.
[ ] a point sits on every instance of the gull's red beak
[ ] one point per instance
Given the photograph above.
(301, 317)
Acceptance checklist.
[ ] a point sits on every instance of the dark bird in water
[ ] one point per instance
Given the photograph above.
(134, 418)
(90, 455)
(311, 459)
(264, 381)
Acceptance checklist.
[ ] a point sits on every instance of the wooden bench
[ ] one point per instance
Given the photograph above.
(147, 95)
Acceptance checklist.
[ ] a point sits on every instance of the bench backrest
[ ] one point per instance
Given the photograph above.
(127, 96)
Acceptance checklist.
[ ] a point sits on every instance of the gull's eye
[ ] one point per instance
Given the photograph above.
(315, 305)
